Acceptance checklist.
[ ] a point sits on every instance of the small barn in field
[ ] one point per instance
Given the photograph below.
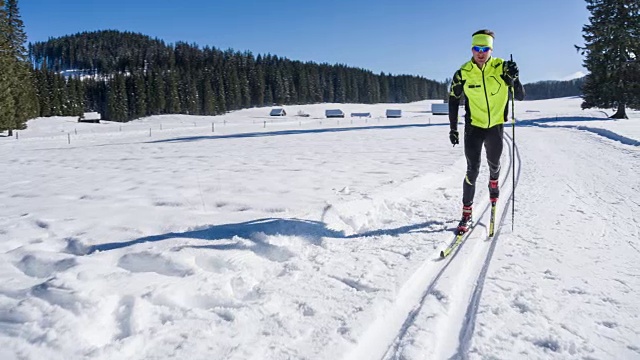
(394, 113)
(278, 112)
(334, 113)
(90, 117)
(440, 109)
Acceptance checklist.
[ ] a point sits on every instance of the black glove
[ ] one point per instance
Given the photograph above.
(453, 137)
(510, 71)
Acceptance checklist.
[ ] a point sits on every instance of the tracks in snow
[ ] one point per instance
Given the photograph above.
(433, 314)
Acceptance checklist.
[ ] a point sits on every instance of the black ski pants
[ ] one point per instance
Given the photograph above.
(474, 138)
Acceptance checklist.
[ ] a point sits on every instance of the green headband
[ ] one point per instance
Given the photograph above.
(482, 40)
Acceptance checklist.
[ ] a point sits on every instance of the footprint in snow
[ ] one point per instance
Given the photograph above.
(576, 291)
(548, 344)
(123, 316)
(58, 295)
(42, 224)
(41, 268)
(609, 324)
(148, 262)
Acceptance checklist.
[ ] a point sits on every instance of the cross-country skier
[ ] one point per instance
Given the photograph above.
(485, 83)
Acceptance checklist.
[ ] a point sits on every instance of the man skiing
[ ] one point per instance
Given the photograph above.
(485, 83)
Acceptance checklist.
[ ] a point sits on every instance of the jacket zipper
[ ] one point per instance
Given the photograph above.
(484, 85)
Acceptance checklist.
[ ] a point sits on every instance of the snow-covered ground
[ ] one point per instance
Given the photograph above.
(245, 236)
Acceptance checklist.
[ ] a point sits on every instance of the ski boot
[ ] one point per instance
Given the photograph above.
(494, 191)
(466, 221)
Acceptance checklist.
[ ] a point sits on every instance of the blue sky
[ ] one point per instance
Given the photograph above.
(431, 38)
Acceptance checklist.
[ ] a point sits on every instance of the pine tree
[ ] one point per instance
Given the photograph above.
(7, 77)
(70, 98)
(280, 93)
(17, 36)
(117, 99)
(315, 87)
(208, 96)
(140, 96)
(232, 84)
(80, 98)
(57, 86)
(301, 83)
(256, 79)
(43, 90)
(328, 86)
(172, 97)
(340, 91)
(243, 79)
(221, 103)
(193, 99)
(612, 45)
(23, 89)
(158, 96)
(268, 96)
(384, 87)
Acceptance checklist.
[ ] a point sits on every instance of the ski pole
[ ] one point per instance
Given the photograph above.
(513, 152)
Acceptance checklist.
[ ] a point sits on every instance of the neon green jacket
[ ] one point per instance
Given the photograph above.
(485, 91)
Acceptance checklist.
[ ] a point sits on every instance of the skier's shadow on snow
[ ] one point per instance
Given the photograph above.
(296, 132)
(255, 230)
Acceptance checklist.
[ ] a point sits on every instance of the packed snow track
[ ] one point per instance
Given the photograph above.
(437, 306)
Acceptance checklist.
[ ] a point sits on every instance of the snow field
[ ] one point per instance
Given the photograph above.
(304, 238)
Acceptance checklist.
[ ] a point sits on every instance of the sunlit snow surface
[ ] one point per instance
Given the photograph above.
(246, 236)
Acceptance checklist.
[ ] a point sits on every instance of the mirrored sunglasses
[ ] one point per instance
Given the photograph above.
(483, 49)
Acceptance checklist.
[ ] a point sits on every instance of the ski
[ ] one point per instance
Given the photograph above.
(492, 220)
(459, 238)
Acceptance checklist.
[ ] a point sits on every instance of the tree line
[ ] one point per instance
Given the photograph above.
(554, 89)
(127, 75)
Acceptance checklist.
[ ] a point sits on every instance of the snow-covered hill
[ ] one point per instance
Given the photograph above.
(246, 236)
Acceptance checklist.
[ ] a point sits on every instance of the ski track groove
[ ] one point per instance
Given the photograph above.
(468, 326)
(392, 351)
(466, 331)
